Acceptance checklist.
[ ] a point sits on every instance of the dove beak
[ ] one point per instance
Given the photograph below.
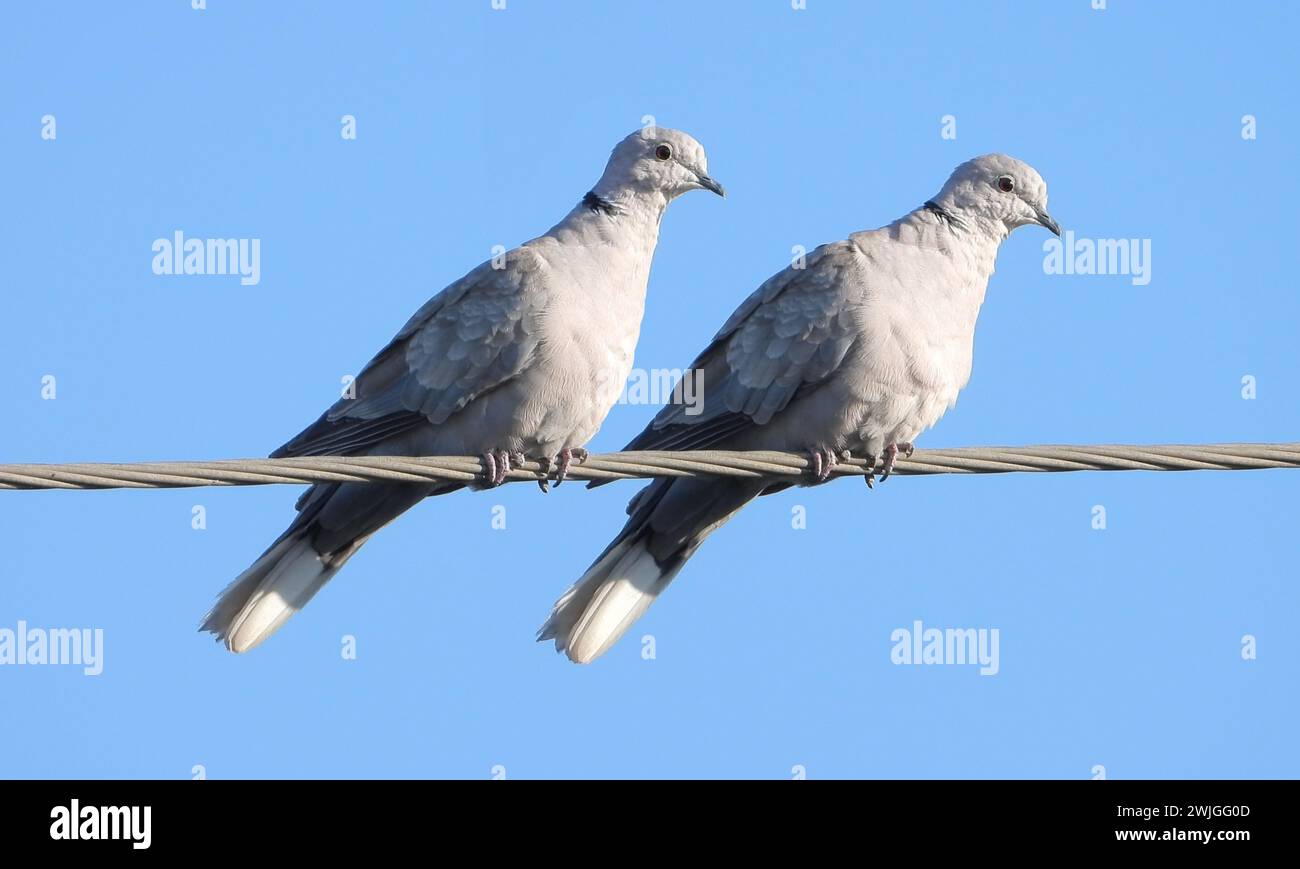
(709, 184)
(1045, 220)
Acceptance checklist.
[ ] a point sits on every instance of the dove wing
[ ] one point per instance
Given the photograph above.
(788, 338)
(475, 336)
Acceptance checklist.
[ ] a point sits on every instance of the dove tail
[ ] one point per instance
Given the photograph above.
(669, 520)
(600, 607)
(264, 596)
(334, 521)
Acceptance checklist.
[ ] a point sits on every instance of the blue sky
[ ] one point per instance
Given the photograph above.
(1119, 648)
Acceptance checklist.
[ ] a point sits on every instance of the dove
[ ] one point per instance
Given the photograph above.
(855, 351)
(522, 358)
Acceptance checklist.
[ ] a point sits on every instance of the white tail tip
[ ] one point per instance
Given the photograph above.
(263, 597)
(600, 607)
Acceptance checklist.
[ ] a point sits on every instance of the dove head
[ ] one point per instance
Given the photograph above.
(656, 160)
(998, 192)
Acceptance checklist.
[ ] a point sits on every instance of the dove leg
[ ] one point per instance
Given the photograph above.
(560, 465)
(870, 475)
(567, 457)
(891, 456)
(496, 465)
(545, 463)
(823, 460)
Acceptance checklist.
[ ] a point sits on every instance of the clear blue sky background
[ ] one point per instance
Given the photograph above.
(476, 127)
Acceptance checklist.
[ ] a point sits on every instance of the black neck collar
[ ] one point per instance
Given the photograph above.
(943, 213)
(595, 203)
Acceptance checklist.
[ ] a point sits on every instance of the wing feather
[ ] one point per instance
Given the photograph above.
(787, 338)
(471, 338)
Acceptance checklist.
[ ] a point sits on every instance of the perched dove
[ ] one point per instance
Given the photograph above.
(520, 358)
(861, 349)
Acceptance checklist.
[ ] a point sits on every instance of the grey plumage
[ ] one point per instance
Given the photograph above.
(861, 348)
(525, 354)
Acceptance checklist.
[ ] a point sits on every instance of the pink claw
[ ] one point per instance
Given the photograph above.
(823, 461)
(496, 465)
(891, 456)
(568, 456)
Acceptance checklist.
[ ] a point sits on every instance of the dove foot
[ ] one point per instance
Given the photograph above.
(561, 464)
(822, 461)
(870, 475)
(890, 457)
(496, 465)
(567, 457)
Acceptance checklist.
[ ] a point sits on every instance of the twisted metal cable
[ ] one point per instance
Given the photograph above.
(629, 465)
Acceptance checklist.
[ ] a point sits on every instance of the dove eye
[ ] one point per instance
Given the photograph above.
(664, 152)
(1006, 184)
